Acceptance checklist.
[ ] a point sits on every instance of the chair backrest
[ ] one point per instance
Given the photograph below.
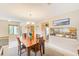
(24, 35)
(41, 40)
(19, 42)
(40, 45)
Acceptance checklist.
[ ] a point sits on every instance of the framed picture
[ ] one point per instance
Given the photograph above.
(59, 22)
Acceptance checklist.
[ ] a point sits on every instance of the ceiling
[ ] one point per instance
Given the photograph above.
(34, 11)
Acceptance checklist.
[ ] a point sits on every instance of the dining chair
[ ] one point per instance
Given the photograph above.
(36, 48)
(21, 46)
(42, 43)
(39, 47)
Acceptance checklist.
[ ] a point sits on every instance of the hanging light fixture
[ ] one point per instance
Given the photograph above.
(30, 17)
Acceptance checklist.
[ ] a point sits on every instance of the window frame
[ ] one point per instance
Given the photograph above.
(13, 29)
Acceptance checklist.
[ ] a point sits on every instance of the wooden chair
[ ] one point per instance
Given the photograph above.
(42, 43)
(35, 48)
(20, 46)
(39, 47)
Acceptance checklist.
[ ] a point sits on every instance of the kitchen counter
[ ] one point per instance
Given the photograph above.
(65, 46)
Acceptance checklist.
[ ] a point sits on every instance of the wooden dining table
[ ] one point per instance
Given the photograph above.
(29, 43)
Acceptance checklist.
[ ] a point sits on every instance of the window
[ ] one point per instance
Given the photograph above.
(13, 29)
(59, 22)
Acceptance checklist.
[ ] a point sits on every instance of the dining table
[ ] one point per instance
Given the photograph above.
(29, 43)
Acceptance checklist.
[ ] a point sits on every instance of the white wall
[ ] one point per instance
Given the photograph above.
(3, 28)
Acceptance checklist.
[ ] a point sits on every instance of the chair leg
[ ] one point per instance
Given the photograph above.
(43, 49)
(35, 50)
(2, 52)
(19, 51)
(40, 51)
(28, 51)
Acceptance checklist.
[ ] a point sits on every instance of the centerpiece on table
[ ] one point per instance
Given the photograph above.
(30, 36)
